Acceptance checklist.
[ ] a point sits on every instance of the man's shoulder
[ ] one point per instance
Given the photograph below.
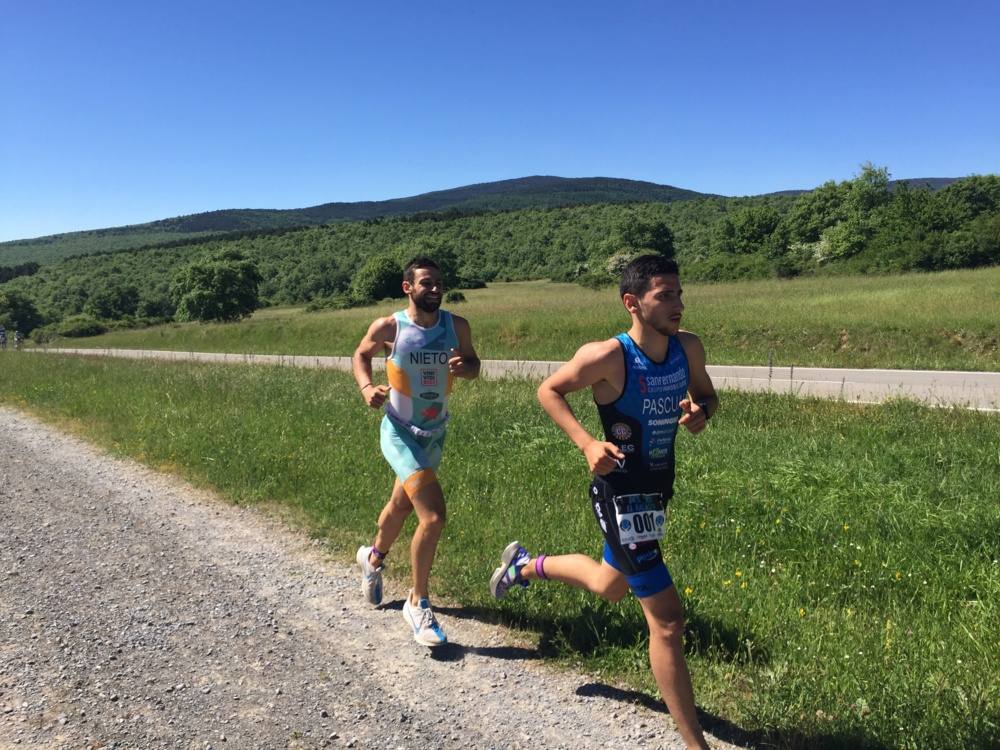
(600, 351)
(694, 350)
(688, 338)
(387, 323)
(457, 320)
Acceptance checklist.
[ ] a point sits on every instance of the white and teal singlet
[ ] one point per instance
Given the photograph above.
(413, 428)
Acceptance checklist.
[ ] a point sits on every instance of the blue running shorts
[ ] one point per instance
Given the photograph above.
(642, 563)
(413, 458)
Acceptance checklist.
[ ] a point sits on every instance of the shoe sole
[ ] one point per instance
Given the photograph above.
(505, 559)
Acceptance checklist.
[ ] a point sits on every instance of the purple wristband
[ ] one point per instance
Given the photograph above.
(539, 567)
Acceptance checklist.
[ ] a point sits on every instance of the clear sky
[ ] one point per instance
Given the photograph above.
(117, 113)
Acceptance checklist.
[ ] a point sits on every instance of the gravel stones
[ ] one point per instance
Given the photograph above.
(137, 611)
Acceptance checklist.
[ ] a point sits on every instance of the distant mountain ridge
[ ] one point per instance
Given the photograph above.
(505, 195)
(525, 192)
(539, 191)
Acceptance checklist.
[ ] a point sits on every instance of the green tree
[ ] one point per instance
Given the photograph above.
(966, 199)
(816, 211)
(632, 232)
(222, 288)
(869, 190)
(18, 312)
(748, 230)
(112, 301)
(380, 277)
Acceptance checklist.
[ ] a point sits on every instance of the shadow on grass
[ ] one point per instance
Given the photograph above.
(720, 728)
(597, 627)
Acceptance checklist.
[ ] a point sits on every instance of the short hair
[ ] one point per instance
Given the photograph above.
(638, 274)
(421, 261)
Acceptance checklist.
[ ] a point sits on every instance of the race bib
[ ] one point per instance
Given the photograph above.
(640, 518)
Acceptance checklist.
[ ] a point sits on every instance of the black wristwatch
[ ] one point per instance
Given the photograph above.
(704, 408)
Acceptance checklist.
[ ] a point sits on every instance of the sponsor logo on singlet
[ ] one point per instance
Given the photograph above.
(621, 431)
(429, 395)
(428, 378)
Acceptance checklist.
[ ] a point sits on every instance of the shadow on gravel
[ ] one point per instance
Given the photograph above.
(716, 725)
(785, 739)
(452, 651)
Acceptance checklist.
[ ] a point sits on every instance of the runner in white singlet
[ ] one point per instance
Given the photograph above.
(426, 349)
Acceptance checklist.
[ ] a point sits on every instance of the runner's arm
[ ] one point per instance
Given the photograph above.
(702, 401)
(464, 362)
(591, 364)
(379, 333)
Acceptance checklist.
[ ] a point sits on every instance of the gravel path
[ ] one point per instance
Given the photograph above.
(139, 612)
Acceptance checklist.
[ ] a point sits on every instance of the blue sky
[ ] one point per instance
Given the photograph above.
(116, 113)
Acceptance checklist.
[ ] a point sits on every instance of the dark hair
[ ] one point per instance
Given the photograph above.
(639, 272)
(421, 261)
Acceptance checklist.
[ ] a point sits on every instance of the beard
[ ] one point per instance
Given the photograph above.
(427, 304)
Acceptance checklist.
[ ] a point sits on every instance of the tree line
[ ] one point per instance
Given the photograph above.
(862, 225)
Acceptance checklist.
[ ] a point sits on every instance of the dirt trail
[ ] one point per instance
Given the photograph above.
(139, 612)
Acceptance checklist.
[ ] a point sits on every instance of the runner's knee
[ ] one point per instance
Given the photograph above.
(433, 519)
(666, 629)
(400, 505)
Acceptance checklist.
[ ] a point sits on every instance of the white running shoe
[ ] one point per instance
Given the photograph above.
(426, 630)
(371, 578)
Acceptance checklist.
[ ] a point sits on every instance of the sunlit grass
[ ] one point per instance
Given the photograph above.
(919, 321)
(839, 564)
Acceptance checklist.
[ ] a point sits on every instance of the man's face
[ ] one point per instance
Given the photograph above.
(661, 307)
(426, 289)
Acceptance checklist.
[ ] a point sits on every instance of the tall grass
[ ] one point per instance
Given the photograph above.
(919, 321)
(839, 564)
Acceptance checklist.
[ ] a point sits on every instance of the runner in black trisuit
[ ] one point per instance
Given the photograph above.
(646, 383)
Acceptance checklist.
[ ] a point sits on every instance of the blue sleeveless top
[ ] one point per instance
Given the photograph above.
(642, 422)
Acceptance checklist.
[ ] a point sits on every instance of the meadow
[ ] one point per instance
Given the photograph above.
(939, 321)
(839, 564)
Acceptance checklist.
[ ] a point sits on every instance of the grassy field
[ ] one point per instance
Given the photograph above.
(839, 564)
(941, 321)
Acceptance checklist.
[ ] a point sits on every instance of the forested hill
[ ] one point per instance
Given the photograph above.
(865, 225)
(505, 195)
